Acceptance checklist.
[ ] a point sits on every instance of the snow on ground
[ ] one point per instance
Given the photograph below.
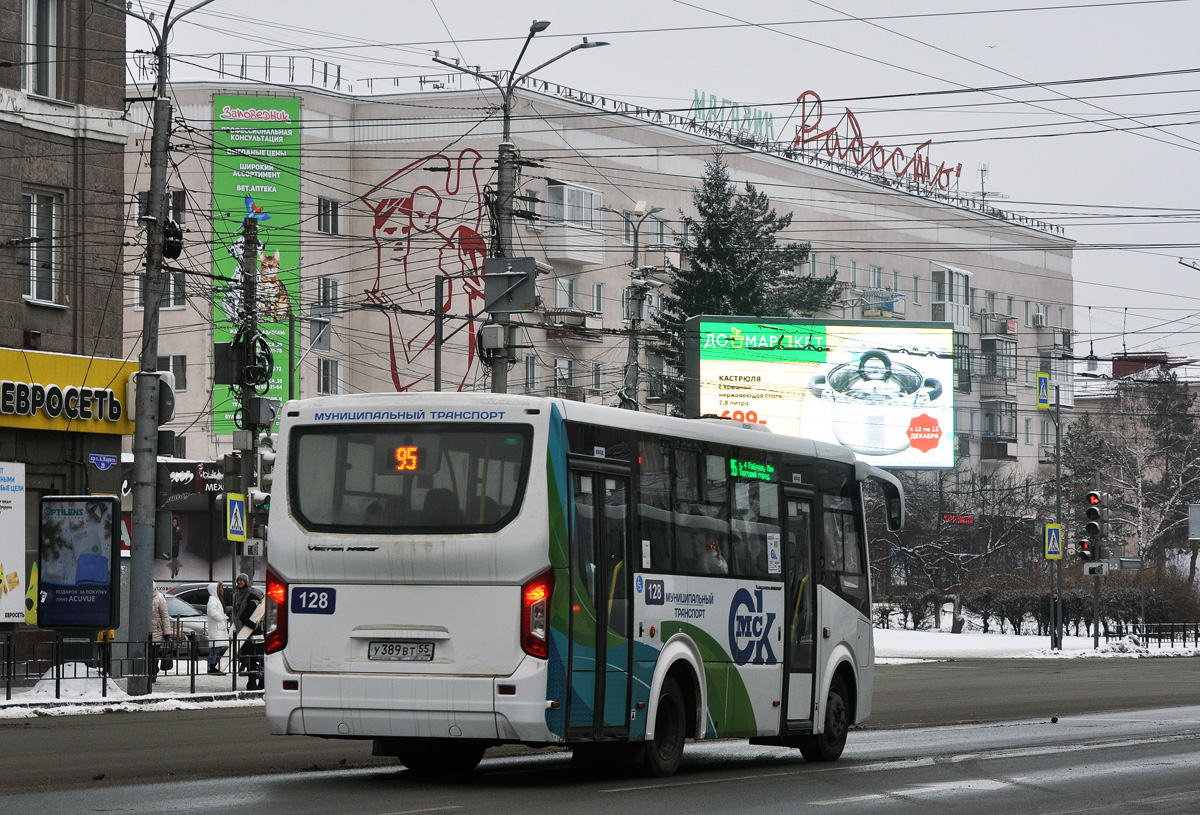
(893, 646)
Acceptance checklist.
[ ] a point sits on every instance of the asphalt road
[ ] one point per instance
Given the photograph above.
(1101, 764)
(112, 749)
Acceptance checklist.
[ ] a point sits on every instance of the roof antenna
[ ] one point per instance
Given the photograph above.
(1124, 324)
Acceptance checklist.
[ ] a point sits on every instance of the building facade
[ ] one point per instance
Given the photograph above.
(396, 192)
(62, 223)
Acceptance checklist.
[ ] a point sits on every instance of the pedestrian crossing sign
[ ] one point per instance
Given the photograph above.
(1054, 542)
(1043, 390)
(235, 516)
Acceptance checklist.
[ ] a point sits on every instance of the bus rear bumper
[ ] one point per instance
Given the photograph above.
(361, 706)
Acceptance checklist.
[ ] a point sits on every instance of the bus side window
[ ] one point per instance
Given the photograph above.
(653, 508)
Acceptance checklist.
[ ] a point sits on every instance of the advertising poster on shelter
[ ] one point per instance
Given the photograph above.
(79, 544)
(12, 541)
(882, 390)
(256, 174)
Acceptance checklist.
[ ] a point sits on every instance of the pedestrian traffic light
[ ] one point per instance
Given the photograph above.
(1088, 549)
(1097, 515)
(231, 478)
(260, 502)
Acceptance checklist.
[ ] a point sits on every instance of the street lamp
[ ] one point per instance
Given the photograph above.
(639, 279)
(506, 177)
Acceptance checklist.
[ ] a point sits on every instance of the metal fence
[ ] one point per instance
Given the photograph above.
(64, 659)
(1158, 635)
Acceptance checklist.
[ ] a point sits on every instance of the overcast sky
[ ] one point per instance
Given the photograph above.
(1114, 158)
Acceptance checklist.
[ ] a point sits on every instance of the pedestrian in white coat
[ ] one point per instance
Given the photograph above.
(218, 626)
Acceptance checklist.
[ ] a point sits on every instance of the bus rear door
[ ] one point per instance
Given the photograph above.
(800, 626)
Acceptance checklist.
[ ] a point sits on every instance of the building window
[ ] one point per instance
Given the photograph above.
(657, 373)
(329, 216)
(627, 227)
(176, 364)
(876, 277)
(1011, 306)
(1047, 432)
(813, 271)
(916, 290)
(991, 302)
(1028, 431)
(329, 376)
(39, 47)
(531, 374)
(535, 207)
(1028, 314)
(564, 292)
(180, 446)
(597, 377)
(328, 291)
(655, 233)
(598, 298)
(833, 265)
(574, 206)
(854, 273)
(38, 212)
(564, 373)
(895, 280)
(174, 293)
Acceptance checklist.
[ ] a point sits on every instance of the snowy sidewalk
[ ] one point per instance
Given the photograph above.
(895, 646)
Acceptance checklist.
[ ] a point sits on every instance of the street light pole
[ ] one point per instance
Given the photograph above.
(145, 434)
(506, 177)
(637, 297)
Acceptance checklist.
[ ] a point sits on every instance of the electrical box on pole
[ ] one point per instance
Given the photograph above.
(509, 285)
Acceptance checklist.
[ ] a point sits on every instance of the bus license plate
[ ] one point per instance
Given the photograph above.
(400, 651)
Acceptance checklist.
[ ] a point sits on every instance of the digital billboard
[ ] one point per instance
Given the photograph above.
(881, 389)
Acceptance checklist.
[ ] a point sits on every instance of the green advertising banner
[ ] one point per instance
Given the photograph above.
(256, 174)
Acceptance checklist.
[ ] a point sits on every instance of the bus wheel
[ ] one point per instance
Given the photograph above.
(442, 759)
(666, 749)
(828, 746)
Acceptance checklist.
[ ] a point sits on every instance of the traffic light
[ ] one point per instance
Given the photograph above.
(1088, 549)
(266, 462)
(172, 239)
(1097, 515)
(231, 478)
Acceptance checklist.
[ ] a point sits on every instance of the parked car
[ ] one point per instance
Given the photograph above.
(185, 620)
(197, 595)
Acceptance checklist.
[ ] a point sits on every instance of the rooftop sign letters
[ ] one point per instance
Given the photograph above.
(843, 141)
(63, 392)
(732, 116)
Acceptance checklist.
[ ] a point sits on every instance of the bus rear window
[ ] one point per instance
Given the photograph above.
(408, 479)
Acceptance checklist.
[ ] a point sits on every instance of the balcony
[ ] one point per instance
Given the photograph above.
(574, 244)
(995, 449)
(996, 324)
(882, 303)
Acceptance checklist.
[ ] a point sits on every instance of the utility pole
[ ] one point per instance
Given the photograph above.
(506, 181)
(639, 279)
(145, 439)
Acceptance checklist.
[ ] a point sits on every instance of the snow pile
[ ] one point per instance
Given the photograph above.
(1129, 645)
(79, 681)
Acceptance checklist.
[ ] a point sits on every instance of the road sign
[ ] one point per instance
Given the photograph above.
(1053, 541)
(1043, 389)
(235, 516)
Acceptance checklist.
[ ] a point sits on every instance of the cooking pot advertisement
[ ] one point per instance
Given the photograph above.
(881, 390)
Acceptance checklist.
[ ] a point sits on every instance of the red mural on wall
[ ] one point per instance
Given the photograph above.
(427, 221)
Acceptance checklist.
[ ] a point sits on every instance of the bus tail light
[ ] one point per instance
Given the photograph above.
(275, 615)
(535, 615)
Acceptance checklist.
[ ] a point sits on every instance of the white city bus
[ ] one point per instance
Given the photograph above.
(449, 572)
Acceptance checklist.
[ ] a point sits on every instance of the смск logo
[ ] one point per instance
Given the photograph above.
(750, 629)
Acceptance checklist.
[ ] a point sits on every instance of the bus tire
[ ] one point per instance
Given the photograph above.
(664, 751)
(828, 746)
(436, 758)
